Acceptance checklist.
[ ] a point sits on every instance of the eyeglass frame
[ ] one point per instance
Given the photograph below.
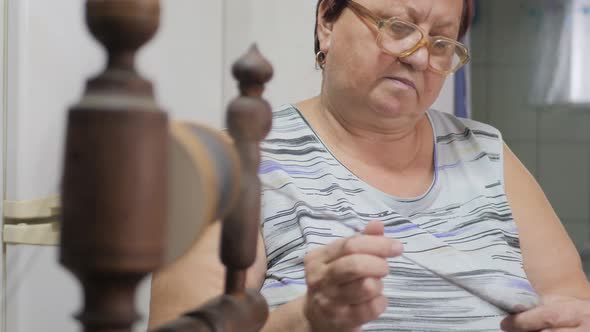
(364, 12)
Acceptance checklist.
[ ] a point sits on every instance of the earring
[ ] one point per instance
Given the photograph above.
(320, 60)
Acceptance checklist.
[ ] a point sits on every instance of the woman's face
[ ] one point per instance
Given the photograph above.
(359, 74)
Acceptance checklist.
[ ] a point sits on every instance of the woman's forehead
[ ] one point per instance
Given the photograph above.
(418, 10)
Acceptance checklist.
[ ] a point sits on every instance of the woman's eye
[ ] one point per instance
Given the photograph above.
(443, 48)
(440, 46)
(401, 29)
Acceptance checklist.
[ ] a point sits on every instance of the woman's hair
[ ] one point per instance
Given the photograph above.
(335, 8)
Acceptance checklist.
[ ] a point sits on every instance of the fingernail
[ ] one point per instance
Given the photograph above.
(397, 248)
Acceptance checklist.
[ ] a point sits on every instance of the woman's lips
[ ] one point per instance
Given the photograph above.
(404, 82)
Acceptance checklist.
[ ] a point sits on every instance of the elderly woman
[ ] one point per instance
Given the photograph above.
(368, 154)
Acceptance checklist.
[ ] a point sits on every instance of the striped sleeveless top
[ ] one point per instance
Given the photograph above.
(462, 226)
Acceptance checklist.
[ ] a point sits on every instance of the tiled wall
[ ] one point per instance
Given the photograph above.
(553, 143)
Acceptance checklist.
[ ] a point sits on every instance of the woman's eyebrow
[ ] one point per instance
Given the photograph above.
(444, 24)
(446, 29)
(418, 15)
(397, 10)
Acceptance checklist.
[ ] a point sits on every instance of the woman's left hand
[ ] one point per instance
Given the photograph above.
(556, 314)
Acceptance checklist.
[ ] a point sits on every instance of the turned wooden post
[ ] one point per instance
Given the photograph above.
(115, 177)
(249, 120)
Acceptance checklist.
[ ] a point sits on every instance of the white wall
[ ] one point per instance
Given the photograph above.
(50, 55)
(283, 31)
(48, 61)
(185, 60)
(2, 132)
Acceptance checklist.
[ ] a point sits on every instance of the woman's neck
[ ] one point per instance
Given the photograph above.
(395, 147)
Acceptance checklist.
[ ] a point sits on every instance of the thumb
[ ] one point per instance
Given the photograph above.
(374, 228)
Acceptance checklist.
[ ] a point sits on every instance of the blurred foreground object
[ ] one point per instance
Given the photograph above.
(120, 164)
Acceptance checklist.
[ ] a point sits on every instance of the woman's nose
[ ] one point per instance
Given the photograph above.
(418, 59)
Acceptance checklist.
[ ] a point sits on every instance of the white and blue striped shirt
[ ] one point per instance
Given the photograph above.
(462, 226)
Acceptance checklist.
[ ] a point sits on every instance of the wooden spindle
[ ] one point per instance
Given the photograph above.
(115, 177)
(249, 120)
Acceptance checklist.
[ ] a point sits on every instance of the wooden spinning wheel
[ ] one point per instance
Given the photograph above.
(138, 192)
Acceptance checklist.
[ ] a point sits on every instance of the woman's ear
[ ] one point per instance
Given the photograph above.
(324, 27)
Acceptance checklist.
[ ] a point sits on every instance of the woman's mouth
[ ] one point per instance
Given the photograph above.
(402, 82)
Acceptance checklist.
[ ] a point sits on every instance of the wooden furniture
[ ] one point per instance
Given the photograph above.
(121, 163)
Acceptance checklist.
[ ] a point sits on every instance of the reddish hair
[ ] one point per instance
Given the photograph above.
(335, 8)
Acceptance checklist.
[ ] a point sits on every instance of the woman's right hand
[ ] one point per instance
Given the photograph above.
(344, 283)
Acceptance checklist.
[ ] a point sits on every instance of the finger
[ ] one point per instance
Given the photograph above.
(374, 228)
(567, 329)
(355, 292)
(353, 267)
(343, 270)
(363, 244)
(363, 313)
(342, 318)
(339, 317)
(542, 317)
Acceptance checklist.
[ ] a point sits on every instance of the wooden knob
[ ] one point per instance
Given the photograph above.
(249, 120)
(252, 71)
(122, 26)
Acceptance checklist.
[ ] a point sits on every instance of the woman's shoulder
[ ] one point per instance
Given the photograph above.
(287, 122)
(448, 126)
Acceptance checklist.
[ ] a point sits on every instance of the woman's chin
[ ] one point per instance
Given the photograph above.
(392, 108)
(388, 103)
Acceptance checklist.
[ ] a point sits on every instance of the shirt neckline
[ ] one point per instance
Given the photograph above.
(403, 205)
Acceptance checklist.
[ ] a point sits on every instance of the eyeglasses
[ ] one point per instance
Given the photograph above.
(401, 39)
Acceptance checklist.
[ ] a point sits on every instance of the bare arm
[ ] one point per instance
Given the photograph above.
(347, 271)
(551, 261)
(198, 277)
